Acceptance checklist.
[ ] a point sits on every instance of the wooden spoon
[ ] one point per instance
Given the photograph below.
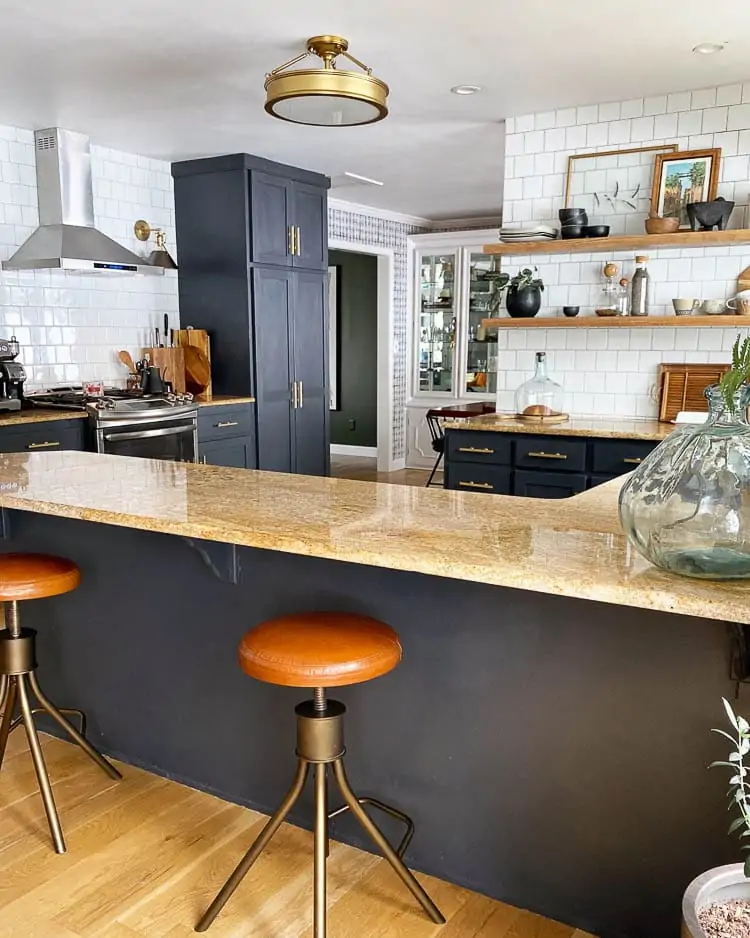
(126, 359)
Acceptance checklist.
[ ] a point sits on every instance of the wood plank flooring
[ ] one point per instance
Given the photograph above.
(147, 855)
(365, 469)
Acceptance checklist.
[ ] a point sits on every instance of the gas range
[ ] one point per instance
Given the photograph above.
(131, 423)
(114, 403)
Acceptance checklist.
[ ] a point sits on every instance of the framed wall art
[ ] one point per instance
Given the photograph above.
(683, 177)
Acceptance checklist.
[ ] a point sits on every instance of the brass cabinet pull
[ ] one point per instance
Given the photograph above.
(542, 455)
(49, 445)
(474, 449)
(228, 423)
(301, 396)
(204, 460)
(294, 395)
(633, 461)
(298, 241)
(291, 240)
(477, 485)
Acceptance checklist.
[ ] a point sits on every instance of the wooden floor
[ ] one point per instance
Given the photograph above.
(146, 855)
(365, 469)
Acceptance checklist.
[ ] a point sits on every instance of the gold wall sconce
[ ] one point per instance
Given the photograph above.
(160, 257)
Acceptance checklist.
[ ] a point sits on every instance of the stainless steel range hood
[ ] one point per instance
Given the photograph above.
(66, 238)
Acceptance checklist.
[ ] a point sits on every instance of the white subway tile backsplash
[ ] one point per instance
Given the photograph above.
(690, 122)
(655, 105)
(554, 139)
(665, 125)
(728, 142)
(619, 132)
(610, 111)
(597, 135)
(566, 117)
(704, 98)
(588, 114)
(642, 129)
(739, 117)
(735, 168)
(729, 94)
(544, 120)
(679, 101)
(715, 120)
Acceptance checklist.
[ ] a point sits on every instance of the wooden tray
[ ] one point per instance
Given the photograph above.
(681, 387)
(200, 340)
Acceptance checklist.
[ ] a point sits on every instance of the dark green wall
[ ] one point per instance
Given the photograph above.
(358, 335)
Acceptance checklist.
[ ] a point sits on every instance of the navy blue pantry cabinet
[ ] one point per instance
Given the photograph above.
(543, 466)
(253, 254)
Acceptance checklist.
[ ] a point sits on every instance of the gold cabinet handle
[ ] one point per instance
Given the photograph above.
(49, 445)
(298, 241)
(633, 461)
(228, 423)
(542, 455)
(204, 460)
(294, 395)
(300, 395)
(474, 449)
(477, 485)
(291, 240)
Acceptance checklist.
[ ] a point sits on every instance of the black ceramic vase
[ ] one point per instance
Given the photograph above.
(524, 303)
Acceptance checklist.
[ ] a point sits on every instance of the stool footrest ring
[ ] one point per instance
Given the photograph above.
(386, 809)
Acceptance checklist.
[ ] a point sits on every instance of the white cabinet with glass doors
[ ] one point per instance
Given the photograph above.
(453, 359)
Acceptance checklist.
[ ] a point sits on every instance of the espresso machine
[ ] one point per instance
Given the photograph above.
(12, 375)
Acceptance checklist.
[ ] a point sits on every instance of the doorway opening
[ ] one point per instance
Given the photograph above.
(360, 279)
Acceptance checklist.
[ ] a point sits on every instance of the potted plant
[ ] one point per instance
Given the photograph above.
(717, 903)
(525, 293)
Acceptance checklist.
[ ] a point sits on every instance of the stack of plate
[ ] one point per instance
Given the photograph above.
(517, 233)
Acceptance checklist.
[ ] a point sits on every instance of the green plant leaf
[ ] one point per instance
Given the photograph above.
(736, 824)
(731, 739)
(731, 765)
(727, 705)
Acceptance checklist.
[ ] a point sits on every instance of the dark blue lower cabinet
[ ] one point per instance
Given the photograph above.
(600, 480)
(234, 453)
(45, 436)
(476, 477)
(532, 484)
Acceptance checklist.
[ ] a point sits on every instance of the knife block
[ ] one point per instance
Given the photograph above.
(200, 339)
(171, 363)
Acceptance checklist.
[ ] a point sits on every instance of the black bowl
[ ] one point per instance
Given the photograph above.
(596, 231)
(572, 231)
(566, 214)
(571, 310)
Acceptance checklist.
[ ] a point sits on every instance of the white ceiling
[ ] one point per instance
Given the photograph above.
(181, 78)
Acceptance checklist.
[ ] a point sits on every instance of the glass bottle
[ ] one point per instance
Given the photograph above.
(540, 396)
(639, 295)
(686, 508)
(606, 304)
(623, 298)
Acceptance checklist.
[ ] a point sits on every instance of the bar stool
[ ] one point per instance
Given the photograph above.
(35, 576)
(321, 650)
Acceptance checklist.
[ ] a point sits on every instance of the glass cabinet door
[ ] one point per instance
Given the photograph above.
(481, 344)
(436, 329)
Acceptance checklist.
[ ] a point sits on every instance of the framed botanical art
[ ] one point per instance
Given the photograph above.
(683, 177)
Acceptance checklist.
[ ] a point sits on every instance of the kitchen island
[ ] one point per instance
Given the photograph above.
(548, 728)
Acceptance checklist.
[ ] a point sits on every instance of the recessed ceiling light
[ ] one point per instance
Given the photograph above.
(466, 89)
(708, 48)
(365, 179)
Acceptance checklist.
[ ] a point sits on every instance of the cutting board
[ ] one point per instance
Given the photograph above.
(743, 281)
(682, 386)
(171, 364)
(199, 339)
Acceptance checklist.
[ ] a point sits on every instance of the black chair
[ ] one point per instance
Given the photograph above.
(434, 422)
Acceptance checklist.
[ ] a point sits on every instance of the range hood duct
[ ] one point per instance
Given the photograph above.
(66, 238)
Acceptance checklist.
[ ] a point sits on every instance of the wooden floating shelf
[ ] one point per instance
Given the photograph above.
(617, 322)
(644, 242)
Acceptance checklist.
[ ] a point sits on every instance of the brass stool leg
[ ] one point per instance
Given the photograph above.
(7, 720)
(39, 765)
(406, 876)
(321, 848)
(68, 727)
(257, 848)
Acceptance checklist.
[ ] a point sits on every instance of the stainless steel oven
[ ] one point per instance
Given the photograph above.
(152, 429)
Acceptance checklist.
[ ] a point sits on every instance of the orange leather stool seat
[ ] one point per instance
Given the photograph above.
(319, 649)
(36, 576)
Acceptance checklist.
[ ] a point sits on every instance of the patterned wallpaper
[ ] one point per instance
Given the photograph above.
(381, 232)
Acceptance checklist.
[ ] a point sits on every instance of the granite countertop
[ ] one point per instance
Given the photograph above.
(572, 547)
(612, 427)
(42, 415)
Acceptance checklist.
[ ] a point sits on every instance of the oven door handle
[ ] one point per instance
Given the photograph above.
(143, 434)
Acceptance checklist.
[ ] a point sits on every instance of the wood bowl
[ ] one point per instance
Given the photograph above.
(662, 225)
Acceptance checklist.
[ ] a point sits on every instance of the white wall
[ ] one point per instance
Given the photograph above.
(71, 326)
(614, 371)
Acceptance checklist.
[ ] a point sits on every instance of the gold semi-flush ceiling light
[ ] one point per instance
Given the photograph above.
(326, 97)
